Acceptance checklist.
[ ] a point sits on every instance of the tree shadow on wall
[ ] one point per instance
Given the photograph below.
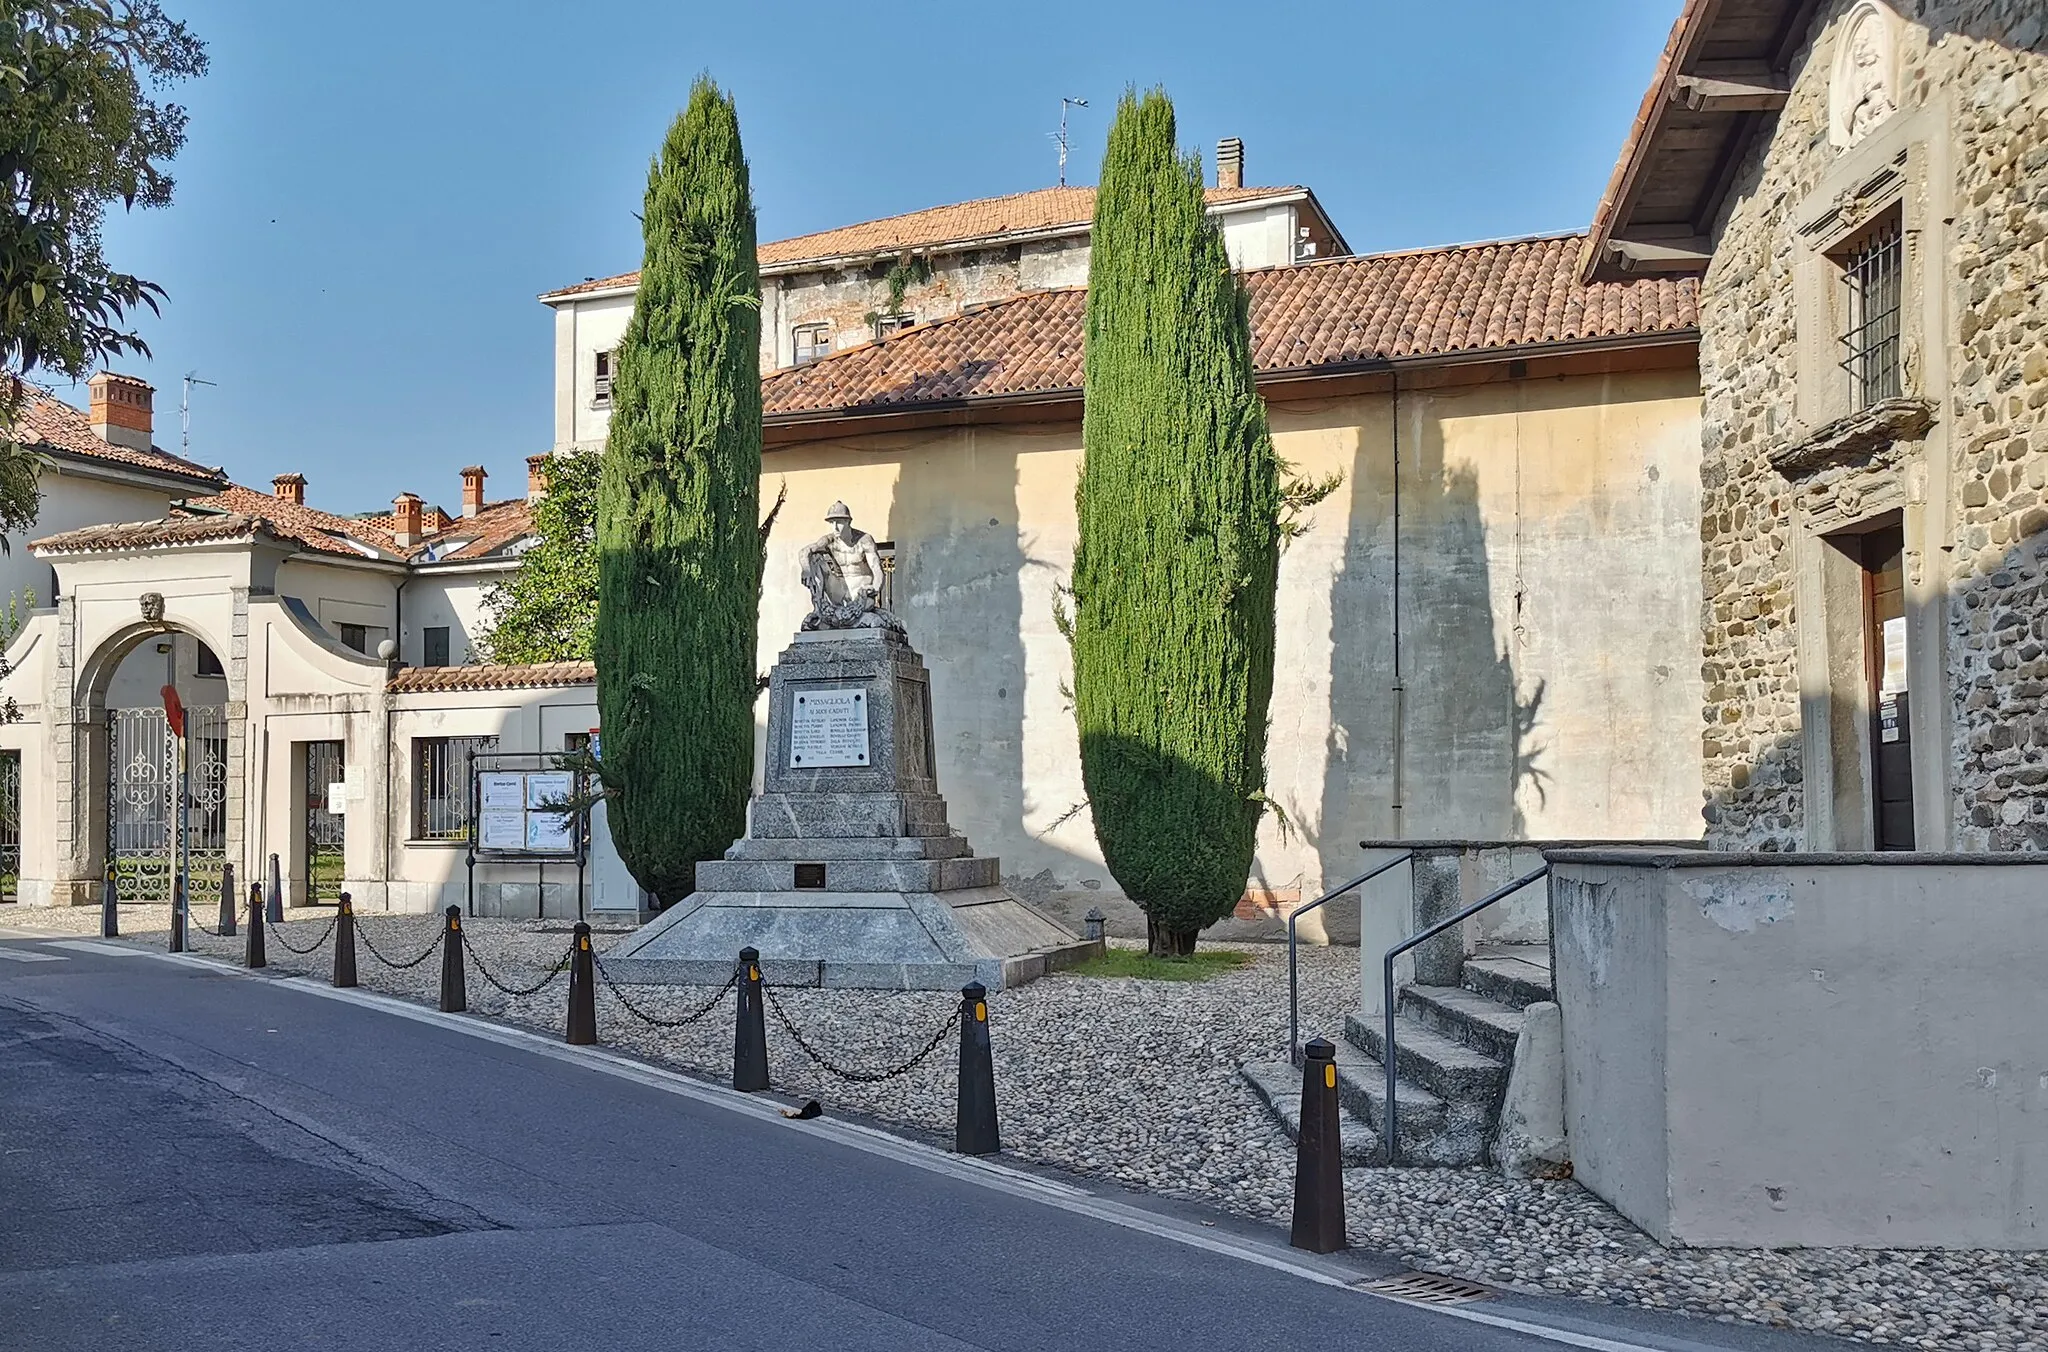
(1447, 748)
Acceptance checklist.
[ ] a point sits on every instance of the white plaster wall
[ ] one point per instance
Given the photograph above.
(1259, 238)
(338, 595)
(454, 599)
(1839, 1050)
(592, 326)
(69, 502)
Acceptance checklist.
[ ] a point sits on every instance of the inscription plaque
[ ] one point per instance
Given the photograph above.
(827, 728)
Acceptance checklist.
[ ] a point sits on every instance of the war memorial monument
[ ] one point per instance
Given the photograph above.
(849, 874)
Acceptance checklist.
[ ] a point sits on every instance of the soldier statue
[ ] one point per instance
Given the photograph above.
(842, 570)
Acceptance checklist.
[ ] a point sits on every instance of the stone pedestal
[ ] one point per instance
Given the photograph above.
(849, 874)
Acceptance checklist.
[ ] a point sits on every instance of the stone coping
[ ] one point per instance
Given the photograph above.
(1572, 843)
(1700, 858)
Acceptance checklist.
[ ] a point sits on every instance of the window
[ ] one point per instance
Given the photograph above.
(896, 323)
(208, 664)
(436, 645)
(601, 385)
(355, 636)
(1871, 273)
(808, 342)
(440, 780)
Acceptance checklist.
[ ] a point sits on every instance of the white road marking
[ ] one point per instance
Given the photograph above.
(104, 949)
(23, 955)
(980, 1172)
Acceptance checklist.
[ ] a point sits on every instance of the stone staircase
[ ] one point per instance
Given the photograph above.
(1454, 1048)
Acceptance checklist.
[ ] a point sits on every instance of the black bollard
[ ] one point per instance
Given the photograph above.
(227, 901)
(582, 992)
(454, 994)
(1319, 1155)
(750, 1034)
(252, 956)
(344, 942)
(110, 908)
(273, 907)
(974, 1130)
(178, 904)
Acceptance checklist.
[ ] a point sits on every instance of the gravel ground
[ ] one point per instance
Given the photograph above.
(1136, 1082)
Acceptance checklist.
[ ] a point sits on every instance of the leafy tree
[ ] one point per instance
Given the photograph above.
(81, 127)
(678, 514)
(1180, 511)
(545, 611)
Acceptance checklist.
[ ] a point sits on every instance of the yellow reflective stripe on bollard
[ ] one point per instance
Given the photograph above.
(980, 1011)
(455, 924)
(584, 943)
(753, 974)
(1330, 1077)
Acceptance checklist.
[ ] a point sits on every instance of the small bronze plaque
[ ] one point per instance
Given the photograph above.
(811, 876)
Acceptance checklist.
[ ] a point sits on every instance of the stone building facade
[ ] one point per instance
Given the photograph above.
(1874, 369)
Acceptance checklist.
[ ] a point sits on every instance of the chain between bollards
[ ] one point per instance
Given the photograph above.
(344, 942)
(313, 947)
(1319, 1155)
(370, 945)
(454, 993)
(843, 1072)
(253, 956)
(582, 990)
(750, 1030)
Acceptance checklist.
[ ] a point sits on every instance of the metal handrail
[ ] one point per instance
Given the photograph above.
(1293, 973)
(1389, 1125)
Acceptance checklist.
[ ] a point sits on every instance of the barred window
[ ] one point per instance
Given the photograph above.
(440, 779)
(601, 383)
(1872, 269)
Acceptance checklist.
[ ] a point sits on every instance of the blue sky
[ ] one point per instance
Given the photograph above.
(373, 193)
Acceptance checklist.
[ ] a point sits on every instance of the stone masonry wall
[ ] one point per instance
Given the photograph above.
(1986, 59)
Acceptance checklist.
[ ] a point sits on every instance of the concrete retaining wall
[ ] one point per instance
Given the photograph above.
(1770, 1050)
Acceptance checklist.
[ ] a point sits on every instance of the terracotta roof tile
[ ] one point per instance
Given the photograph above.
(492, 677)
(1424, 303)
(180, 530)
(47, 421)
(989, 218)
(490, 530)
(323, 532)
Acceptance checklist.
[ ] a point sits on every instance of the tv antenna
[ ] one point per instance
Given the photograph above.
(185, 411)
(1060, 137)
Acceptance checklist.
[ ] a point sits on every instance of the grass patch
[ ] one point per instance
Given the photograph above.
(1198, 966)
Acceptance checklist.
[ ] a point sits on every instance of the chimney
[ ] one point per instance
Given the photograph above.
(472, 490)
(405, 519)
(536, 477)
(289, 488)
(121, 410)
(1230, 162)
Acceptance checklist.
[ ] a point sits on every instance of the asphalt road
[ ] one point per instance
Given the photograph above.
(194, 1158)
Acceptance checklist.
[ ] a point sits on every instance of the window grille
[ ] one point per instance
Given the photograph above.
(1872, 272)
(810, 342)
(355, 636)
(441, 806)
(601, 390)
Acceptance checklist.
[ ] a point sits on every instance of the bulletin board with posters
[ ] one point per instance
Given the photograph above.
(517, 815)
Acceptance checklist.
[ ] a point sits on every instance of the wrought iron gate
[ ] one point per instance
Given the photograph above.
(10, 825)
(142, 806)
(325, 766)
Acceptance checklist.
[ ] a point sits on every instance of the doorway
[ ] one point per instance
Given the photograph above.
(325, 827)
(1891, 724)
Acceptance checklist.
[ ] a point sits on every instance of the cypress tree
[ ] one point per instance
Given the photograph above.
(678, 534)
(1179, 512)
